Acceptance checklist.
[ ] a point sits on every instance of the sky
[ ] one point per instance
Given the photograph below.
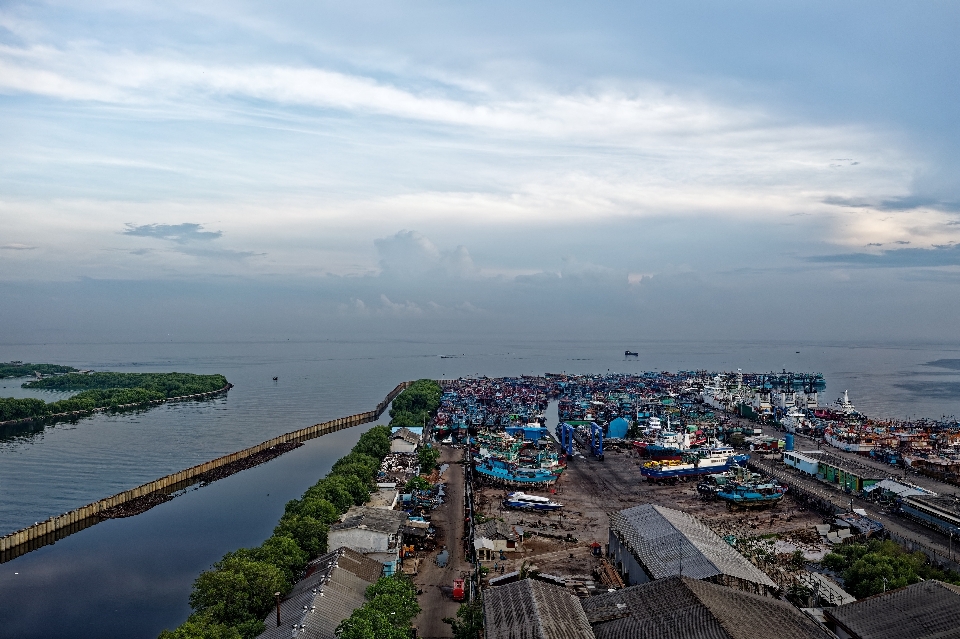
(710, 169)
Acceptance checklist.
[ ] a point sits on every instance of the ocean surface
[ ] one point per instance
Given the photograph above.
(131, 577)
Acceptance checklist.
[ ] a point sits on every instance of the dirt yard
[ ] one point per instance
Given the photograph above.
(592, 490)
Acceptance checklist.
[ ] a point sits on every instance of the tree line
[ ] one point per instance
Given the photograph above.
(107, 390)
(416, 405)
(231, 599)
(877, 566)
(19, 369)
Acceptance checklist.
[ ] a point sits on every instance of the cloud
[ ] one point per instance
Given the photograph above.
(409, 254)
(187, 239)
(179, 233)
(900, 203)
(897, 258)
(17, 247)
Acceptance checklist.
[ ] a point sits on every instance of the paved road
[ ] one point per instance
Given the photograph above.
(435, 582)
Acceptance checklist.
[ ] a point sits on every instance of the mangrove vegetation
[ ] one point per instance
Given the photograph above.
(19, 369)
(416, 405)
(107, 390)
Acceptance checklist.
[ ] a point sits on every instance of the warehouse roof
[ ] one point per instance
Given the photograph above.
(669, 542)
(925, 610)
(531, 609)
(333, 589)
(685, 608)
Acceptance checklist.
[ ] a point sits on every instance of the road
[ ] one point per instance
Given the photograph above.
(436, 583)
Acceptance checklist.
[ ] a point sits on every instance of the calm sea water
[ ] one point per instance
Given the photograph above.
(131, 577)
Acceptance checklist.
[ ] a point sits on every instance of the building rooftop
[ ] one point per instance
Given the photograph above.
(530, 609)
(406, 434)
(685, 608)
(333, 588)
(669, 542)
(370, 518)
(495, 529)
(925, 610)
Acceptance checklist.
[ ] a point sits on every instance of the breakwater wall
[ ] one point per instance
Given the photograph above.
(56, 528)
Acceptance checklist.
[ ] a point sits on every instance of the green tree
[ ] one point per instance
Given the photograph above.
(318, 508)
(201, 627)
(427, 457)
(374, 443)
(394, 595)
(469, 621)
(417, 483)
(237, 591)
(310, 534)
(336, 492)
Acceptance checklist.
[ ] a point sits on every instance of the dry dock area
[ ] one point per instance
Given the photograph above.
(592, 490)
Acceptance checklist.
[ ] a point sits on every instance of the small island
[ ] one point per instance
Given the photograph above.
(101, 391)
(19, 369)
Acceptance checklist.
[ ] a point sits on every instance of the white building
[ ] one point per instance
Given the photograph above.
(371, 531)
(404, 440)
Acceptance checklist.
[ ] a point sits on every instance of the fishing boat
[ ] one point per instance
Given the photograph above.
(513, 474)
(524, 501)
(751, 495)
(706, 461)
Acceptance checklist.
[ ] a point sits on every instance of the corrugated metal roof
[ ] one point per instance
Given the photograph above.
(369, 518)
(920, 611)
(669, 542)
(531, 609)
(685, 608)
(326, 597)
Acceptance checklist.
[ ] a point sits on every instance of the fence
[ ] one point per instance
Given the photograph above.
(56, 528)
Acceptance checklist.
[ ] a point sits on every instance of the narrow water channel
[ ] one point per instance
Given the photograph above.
(130, 577)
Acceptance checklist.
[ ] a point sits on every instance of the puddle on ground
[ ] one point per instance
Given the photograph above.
(443, 558)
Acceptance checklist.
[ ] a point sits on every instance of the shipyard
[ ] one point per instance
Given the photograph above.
(611, 505)
(585, 487)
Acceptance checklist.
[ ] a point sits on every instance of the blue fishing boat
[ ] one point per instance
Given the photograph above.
(753, 495)
(514, 474)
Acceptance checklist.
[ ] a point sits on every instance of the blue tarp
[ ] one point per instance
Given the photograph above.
(529, 433)
(618, 428)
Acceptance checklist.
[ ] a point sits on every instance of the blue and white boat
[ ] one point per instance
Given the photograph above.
(704, 461)
(524, 501)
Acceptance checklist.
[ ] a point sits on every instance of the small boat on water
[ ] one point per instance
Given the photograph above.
(525, 501)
